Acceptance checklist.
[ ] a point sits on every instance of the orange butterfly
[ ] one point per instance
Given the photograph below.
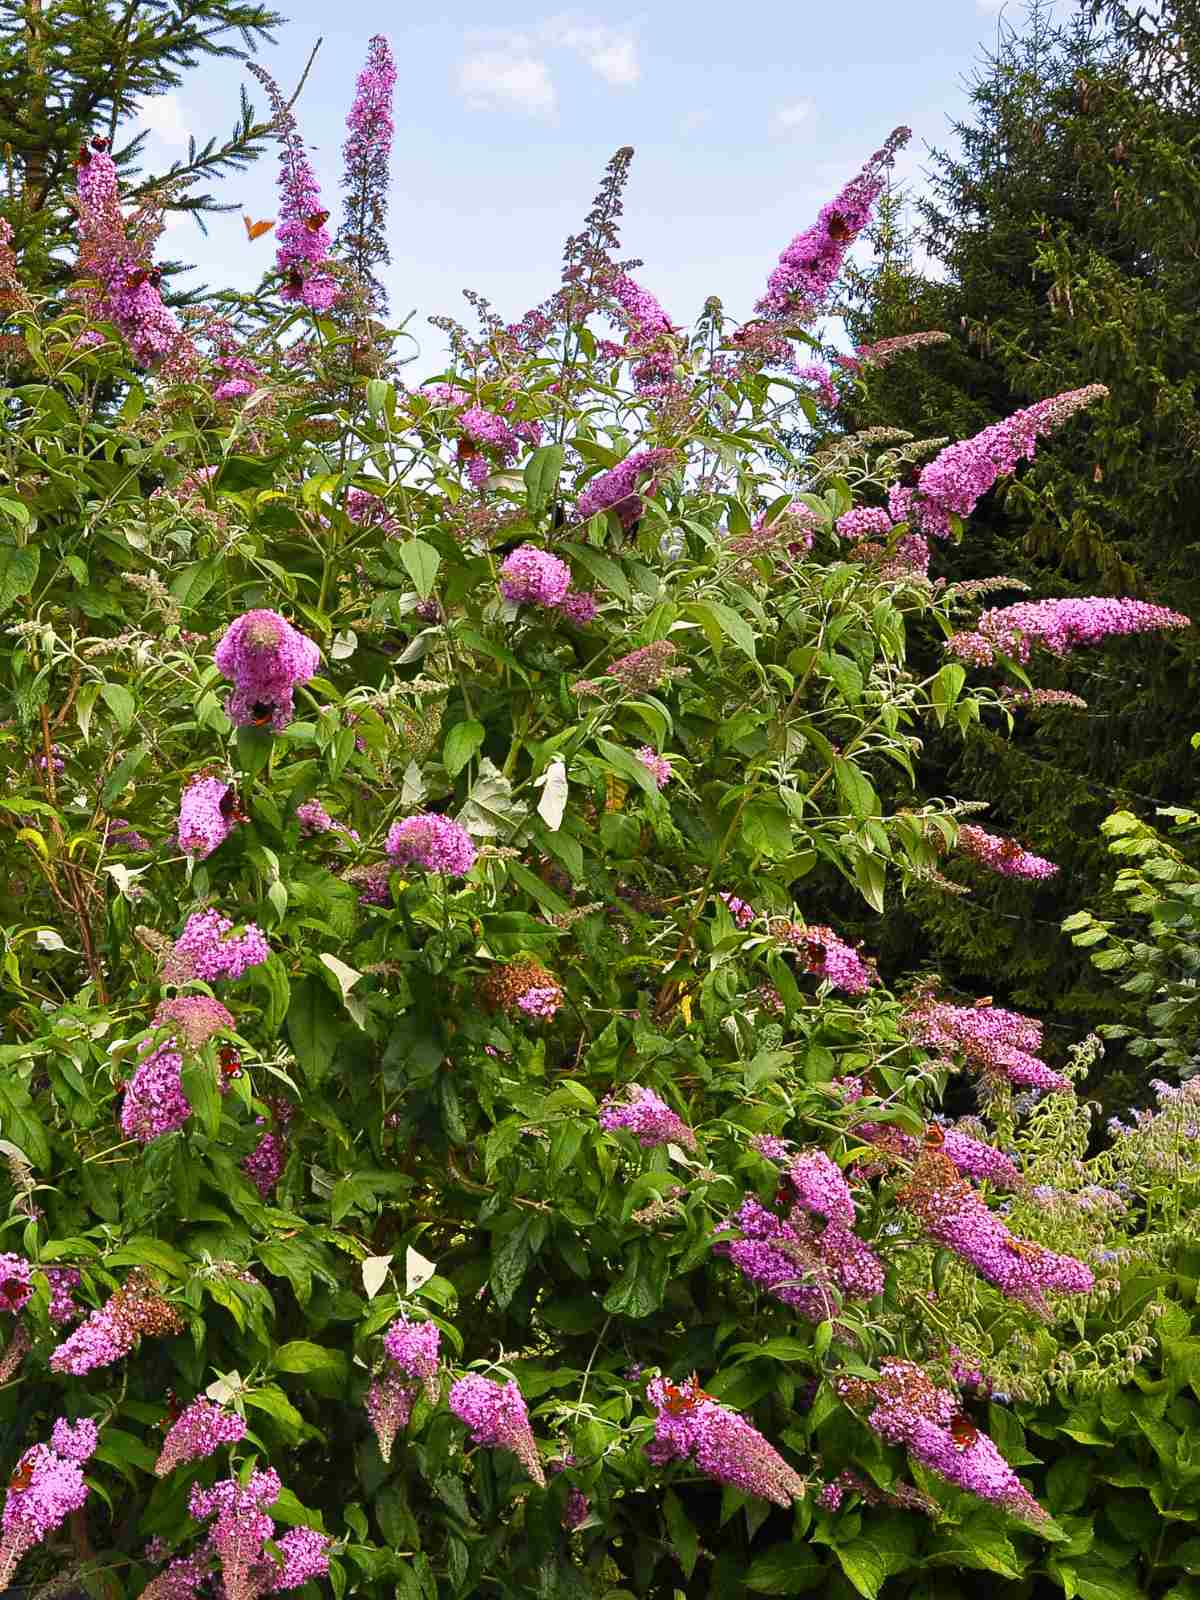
(255, 230)
(23, 1476)
(1022, 1247)
(963, 1431)
(839, 228)
(934, 1137)
(316, 221)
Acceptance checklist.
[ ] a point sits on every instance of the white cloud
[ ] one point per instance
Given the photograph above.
(611, 53)
(508, 69)
(693, 120)
(788, 118)
(507, 80)
(163, 115)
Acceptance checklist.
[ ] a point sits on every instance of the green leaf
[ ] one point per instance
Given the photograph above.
(855, 789)
(786, 1569)
(18, 572)
(192, 584)
(421, 562)
(245, 472)
(602, 568)
(313, 1026)
(511, 1258)
(121, 703)
(200, 1090)
(1094, 1581)
(541, 477)
(303, 1357)
(684, 1539)
(254, 750)
(463, 740)
(727, 623)
(863, 1565)
(639, 1289)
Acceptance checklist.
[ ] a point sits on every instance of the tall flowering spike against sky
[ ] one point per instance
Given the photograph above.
(301, 236)
(799, 287)
(367, 157)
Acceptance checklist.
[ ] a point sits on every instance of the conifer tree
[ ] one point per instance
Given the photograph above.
(71, 70)
(1064, 237)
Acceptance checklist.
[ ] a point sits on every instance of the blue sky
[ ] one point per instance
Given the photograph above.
(745, 120)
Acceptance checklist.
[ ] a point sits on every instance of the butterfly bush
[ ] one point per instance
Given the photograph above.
(346, 738)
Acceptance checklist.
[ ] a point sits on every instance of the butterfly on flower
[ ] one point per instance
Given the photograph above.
(316, 221)
(683, 1397)
(23, 1476)
(231, 1062)
(255, 230)
(231, 807)
(839, 228)
(934, 1137)
(141, 275)
(963, 1431)
(12, 1293)
(261, 712)
(1024, 1249)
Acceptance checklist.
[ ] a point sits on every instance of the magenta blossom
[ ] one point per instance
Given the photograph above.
(497, 1418)
(618, 488)
(52, 1487)
(649, 1119)
(265, 658)
(533, 577)
(206, 816)
(198, 1432)
(829, 957)
(414, 1347)
(209, 949)
(691, 1425)
(657, 766)
(1058, 626)
(301, 237)
(433, 842)
(1002, 855)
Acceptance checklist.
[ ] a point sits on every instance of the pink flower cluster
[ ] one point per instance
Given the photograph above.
(909, 1409)
(154, 1103)
(497, 1418)
(119, 266)
(205, 817)
(241, 1529)
(813, 1269)
(818, 1185)
(828, 956)
(389, 1403)
(530, 576)
(265, 658)
(649, 1119)
(53, 1487)
(265, 1163)
(864, 522)
(368, 510)
(799, 286)
(953, 1215)
(817, 373)
(994, 1042)
(883, 351)
(198, 1432)
(415, 1348)
(618, 489)
(956, 479)
(1058, 626)
(972, 1157)
(657, 766)
(650, 333)
(741, 912)
(1002, 855)
(109, 1334)
(691, 1425)
(194, 1019)
(313, 818)
(205, 949)
(301, 237)
(434, 842)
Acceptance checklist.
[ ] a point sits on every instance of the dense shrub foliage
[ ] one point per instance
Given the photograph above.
(450, 1146)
